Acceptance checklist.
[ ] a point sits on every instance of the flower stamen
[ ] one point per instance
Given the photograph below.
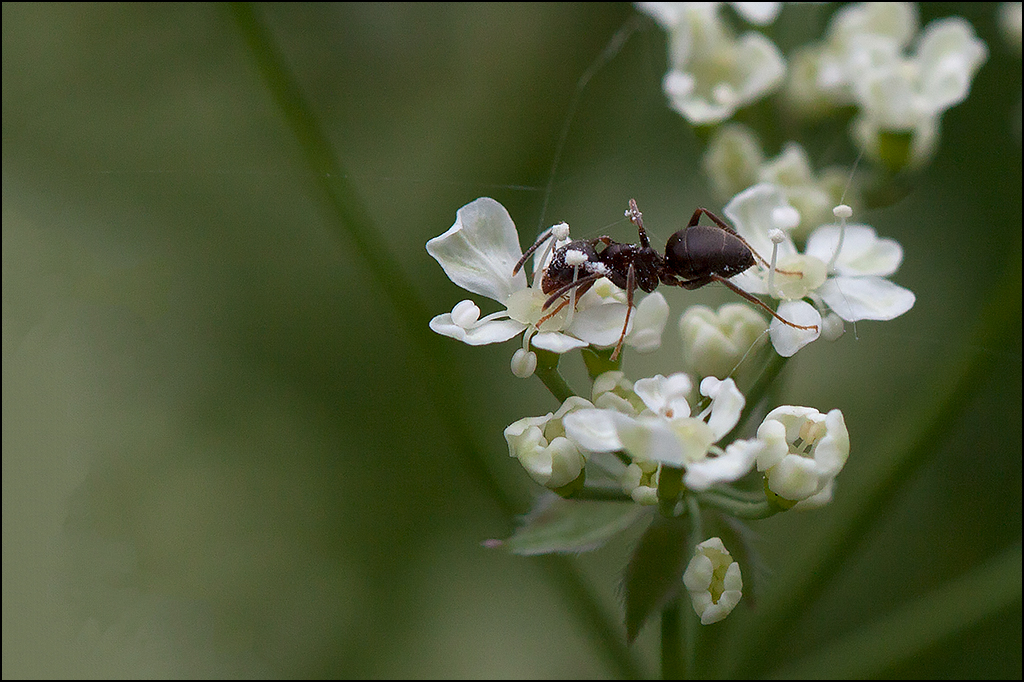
(842, 211)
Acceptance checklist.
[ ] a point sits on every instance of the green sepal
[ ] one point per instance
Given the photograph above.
(574, 486)
(598, 361)
(777, 500)
(894, 149)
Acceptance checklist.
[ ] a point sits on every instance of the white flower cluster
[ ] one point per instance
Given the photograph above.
(842, 270)
(734, 161)
(866, 61)
(653, 423)
(667, 441)
(712, 73)
(873, 57)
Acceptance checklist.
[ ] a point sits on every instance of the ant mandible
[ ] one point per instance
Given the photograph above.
(694, 257)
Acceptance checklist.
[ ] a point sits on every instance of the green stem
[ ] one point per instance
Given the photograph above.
(352, 223)
(672, 663)
(692, 624)
(599, 361)
(602, 493)
(741, 509)
(670, 487)
(547, 372)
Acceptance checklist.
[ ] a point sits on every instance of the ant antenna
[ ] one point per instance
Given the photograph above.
(636, 217)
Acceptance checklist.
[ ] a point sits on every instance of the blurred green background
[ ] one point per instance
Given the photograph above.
(222, 452)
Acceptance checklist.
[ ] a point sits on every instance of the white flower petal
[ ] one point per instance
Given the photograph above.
(949, 54)
(750, 213)
(666, 396)
(649, 320)
(833, 450)
(593, 430)
(667, 14)
(480, 250)
(788, 340)
(557, 342)
(866, 298)
(636, 436)
(862, 252)
(794, 478)
(772, 435)
(726, 404)
(481, 334)
(819, 499)
(761, 67)
(760, 13)
(736, 463)
(600, 325)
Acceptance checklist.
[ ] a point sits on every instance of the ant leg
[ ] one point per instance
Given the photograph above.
(630, 287)
(715, 219)
(552, 313)
(753, 299)
(582, 284)
(561, 291)
(544, 236)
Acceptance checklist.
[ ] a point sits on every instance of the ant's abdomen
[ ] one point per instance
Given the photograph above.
(699, 251)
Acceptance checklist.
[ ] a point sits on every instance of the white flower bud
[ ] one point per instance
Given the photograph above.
(804, 450)
(540, 445)
(524, 363)
(714, 581)
(715, 342)
(732, 159)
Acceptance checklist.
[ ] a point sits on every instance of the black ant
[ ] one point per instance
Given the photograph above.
(694, 257)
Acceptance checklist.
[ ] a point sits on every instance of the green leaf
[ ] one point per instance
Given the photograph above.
(655, 573)
(558, 525)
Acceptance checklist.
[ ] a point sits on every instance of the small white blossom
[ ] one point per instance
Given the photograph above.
(540, 445)
(803, 451)
(714, 343)
(479, 252)
(714, 581)
(844, 271)
(901, 95)
(711, 72)
(760, 13)
(664, 432)
(613, 391)
(735, 161)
